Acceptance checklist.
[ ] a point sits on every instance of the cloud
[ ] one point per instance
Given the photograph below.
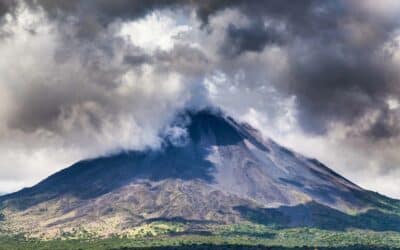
(80, 79)
(253, 38)
(337, 66)
(67, 99)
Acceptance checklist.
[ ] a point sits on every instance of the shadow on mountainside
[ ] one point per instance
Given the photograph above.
(315, 215)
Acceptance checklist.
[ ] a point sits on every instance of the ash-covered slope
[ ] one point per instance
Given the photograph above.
(221, 171)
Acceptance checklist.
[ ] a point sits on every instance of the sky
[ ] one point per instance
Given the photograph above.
(81, 79)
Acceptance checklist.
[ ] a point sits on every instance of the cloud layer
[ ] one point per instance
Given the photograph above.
(84, 78)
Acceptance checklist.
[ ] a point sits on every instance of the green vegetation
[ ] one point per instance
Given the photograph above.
(241, 236)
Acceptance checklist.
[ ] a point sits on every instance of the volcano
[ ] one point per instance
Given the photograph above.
(217, 171)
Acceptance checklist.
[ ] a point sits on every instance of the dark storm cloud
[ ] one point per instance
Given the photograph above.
(252, 38)
(137, 59)
(336, 85)
(336, 69)
(387, 125)
(105, 10)
(301, 17)
(6, 6)
(340, 76)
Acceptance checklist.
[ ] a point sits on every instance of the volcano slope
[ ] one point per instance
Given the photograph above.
(219, 172)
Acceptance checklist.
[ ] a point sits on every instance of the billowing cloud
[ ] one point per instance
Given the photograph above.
(80, 78)
(65, 98)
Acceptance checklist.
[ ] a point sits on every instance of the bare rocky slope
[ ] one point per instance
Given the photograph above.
(222, 171)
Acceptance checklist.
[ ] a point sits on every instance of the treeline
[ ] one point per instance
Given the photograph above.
(246, 247)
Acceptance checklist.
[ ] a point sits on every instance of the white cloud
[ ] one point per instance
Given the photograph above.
(155, 31)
